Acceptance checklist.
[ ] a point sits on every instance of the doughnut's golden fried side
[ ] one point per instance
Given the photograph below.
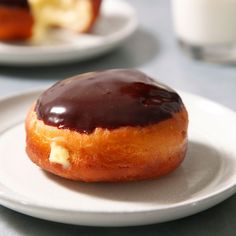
(122, 154)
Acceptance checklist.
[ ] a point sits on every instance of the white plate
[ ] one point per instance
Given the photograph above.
(206, 177)
(116, 23)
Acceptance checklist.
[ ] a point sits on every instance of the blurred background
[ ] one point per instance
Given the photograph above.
(153, 48)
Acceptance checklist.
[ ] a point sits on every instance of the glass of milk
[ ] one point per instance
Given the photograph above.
(206, 29)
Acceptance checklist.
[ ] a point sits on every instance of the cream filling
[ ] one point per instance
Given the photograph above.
(59, 155)
(70, 14)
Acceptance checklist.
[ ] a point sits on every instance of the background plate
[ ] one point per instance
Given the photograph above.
(117, 22)
(206, 177)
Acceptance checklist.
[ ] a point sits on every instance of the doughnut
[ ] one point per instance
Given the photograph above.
(22, 19)
(108, 126)
(16, 21)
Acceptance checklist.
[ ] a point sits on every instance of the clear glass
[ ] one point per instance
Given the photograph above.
(206, 28)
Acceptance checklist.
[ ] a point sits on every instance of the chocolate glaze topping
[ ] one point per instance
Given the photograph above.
(107, 99)
(15, 3)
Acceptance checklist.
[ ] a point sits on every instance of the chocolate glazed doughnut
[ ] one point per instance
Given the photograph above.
(16, 21)
(114, 125)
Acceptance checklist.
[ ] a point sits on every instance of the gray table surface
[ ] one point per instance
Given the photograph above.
(152, 49)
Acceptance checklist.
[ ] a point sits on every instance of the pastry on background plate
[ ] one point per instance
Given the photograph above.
(22, 19)
(112, 125)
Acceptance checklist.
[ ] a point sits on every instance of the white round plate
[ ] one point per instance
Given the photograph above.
(205, 178)
(117, 22)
